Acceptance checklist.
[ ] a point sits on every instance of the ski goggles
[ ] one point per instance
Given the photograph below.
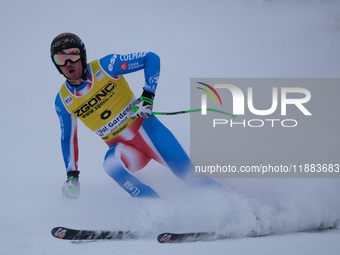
(71, 54)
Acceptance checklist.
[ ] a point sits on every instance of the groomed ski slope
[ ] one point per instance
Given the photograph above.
(248, 38)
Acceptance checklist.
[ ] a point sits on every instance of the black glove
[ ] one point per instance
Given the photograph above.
(142, 107)
(71, 187)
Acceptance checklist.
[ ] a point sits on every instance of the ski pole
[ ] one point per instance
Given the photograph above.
(194, 110)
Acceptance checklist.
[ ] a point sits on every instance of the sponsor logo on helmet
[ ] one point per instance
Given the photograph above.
(63, 41)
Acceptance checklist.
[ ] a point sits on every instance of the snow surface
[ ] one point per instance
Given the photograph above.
(215, 38)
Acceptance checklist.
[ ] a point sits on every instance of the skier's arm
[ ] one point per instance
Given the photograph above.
(116, 64)
(69, 140)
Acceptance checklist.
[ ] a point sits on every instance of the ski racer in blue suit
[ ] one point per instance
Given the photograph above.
(98, 95)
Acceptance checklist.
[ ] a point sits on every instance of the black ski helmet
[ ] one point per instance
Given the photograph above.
(66, 41)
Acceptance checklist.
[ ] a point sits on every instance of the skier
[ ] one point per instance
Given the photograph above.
(98, 95)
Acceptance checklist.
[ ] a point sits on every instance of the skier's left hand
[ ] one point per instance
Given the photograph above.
(142, 107)
(71, 187)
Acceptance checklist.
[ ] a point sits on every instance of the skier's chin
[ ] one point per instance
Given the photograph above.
(72, 76)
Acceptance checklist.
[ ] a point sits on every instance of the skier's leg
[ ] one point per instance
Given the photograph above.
(172, 152)
(117, 159)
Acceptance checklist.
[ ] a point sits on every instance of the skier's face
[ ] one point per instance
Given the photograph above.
(73, 71)
(69, 62)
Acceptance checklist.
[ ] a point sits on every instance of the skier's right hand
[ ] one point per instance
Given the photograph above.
(71, 187)
(142, 107)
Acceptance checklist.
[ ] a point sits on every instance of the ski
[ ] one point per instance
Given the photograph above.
(77, 234)
(187, 237)
(213, 236)
(198, 236)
